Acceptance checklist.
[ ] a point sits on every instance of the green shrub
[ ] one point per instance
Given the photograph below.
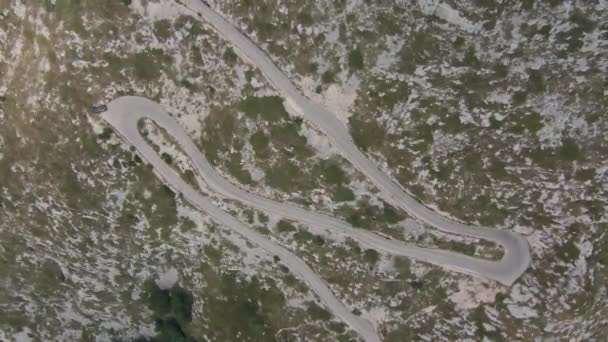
(159, 301)
(147, 64)
(240, 309)
(263, 218)
(260, 144)
(106, 133)
(501, 70)
(470, 57)
(305, 18)
(533, 122)
(269, 108)
(570, 150)
(292, 143)
(332, 172)
(329, 76)
(568, 251)
(536, 82)
(162, 29)
(166, 158)
(235, 168)
(288, 177)
(316, 312)
(391, 215)
(583, 175)
(344, 194)
(70, 12)
(369, 216)
(371, 256)
(181, 304)
(169, 330)
(355, 60)
(366, 134)
(230, 56)
(284, 226)
(519, 97)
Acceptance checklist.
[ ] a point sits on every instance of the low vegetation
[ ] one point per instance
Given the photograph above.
(279, 148)
(172, 312)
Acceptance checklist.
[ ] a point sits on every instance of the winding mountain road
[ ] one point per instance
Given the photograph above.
(125, 112)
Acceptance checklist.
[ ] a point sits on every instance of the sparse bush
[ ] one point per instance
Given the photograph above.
(147, 64)
(569, 150)
(172, 311)
(260, 144)
(536, 82)
(366, 134)
(317, 313)
(470, 57)
(284, 226)
(230, 56)
(369, 216)
(263, 218)
(162, 29)
(355, 60)
(583, 175)
(166, 158)
(106, 133)
(371, 256)
(305, 18)
(344, 194)
(332, 172)
(519, 98)
(533, 122)
(269, 108)
(329, 76)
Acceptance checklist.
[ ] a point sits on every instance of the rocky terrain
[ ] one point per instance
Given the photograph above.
(492, 112)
